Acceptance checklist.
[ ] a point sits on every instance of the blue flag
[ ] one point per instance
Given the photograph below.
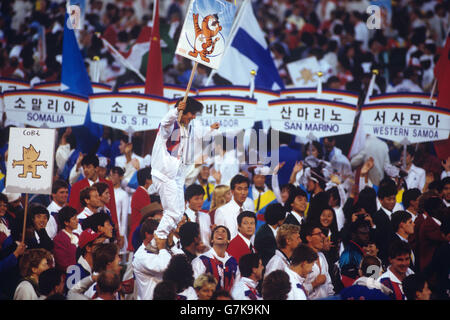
(249, 51)
(75, 79)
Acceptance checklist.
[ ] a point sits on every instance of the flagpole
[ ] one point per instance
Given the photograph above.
(25, 218)
(432, 91)
(120, 57)
(194, 69)
(371, 85)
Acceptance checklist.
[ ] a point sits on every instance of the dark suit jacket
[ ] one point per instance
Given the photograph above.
(429, 239)
(238, 248)
(383, 234)
(265, 243)
(290, 219)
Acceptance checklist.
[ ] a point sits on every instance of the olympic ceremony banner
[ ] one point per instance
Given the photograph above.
(56, 86)
(171, 91)
(326, 94)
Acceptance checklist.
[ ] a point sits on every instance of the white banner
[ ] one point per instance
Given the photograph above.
(233, 113)
(262, 97)
(327, 94)
(205, 31)
(128, 111)
(404, 97)
(170, 91)
(30, 160)
(9, 85)
(56, 86)
(303, 117)
(397, 122)
(44, 108)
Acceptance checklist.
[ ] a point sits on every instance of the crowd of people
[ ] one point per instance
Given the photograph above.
(122, 223)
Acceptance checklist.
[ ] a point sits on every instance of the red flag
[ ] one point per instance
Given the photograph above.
(154, 83)
(442, 73)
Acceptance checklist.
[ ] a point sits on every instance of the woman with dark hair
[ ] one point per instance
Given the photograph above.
(35, 235)
(179, 271)
(315, 149)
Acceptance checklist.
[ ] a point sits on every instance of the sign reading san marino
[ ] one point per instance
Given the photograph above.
(397, 122)
(127, 111)
(303, 117)
(45, 108)
(30, 160)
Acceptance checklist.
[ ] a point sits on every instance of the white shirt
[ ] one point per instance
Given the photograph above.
(227, 214)
(297, 216)
(189, 293)
(296, 293)
(81, 216)
(413, 216)
(243, 288)
(279, 261)
(340, 217)
(148, 269)
(52, 224)
(325, 289)
(199, 268)
(122, 207)
(415, 178)
(393, 278)
(204, 222)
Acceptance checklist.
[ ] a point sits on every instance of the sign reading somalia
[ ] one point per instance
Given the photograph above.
(396, 122)
(44, 108)
(30, 160)
(303, 117)
(127, 111)
(205, 31)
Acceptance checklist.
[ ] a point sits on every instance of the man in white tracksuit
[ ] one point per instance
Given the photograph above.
(172, 160)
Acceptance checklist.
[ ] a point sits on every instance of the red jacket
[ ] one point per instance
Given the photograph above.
(429, 239)
(139, 200)
(238, 248)
(74, 200)
(64, 251)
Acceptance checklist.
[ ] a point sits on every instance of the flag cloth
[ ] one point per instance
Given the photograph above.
(75, 79)
(304, 72)
(154, 83)
(442, 73)
(249, 51)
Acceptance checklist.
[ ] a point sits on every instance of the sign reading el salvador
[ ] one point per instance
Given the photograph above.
(233, 113)
(404, 97)
(262, 97)
(40, 108)
(327, 94)
(127, 111)
(206, 30)
(397, 121)
(30, 160)
(171, 91)
(302, 117)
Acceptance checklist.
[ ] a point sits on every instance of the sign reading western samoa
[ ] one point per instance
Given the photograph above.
(30, 160)
(206, 30)
(170, 91)
(128, 111)
(45, 108)
(404, 97)
(397, 122)
(327, 94)
(302, 117)
(233, 113)
(262, 96)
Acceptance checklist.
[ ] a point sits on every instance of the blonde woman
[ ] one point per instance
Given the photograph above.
(220, 196)
(205, 286)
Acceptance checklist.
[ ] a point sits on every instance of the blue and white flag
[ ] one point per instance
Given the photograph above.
(75, 79)
(249, 51)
